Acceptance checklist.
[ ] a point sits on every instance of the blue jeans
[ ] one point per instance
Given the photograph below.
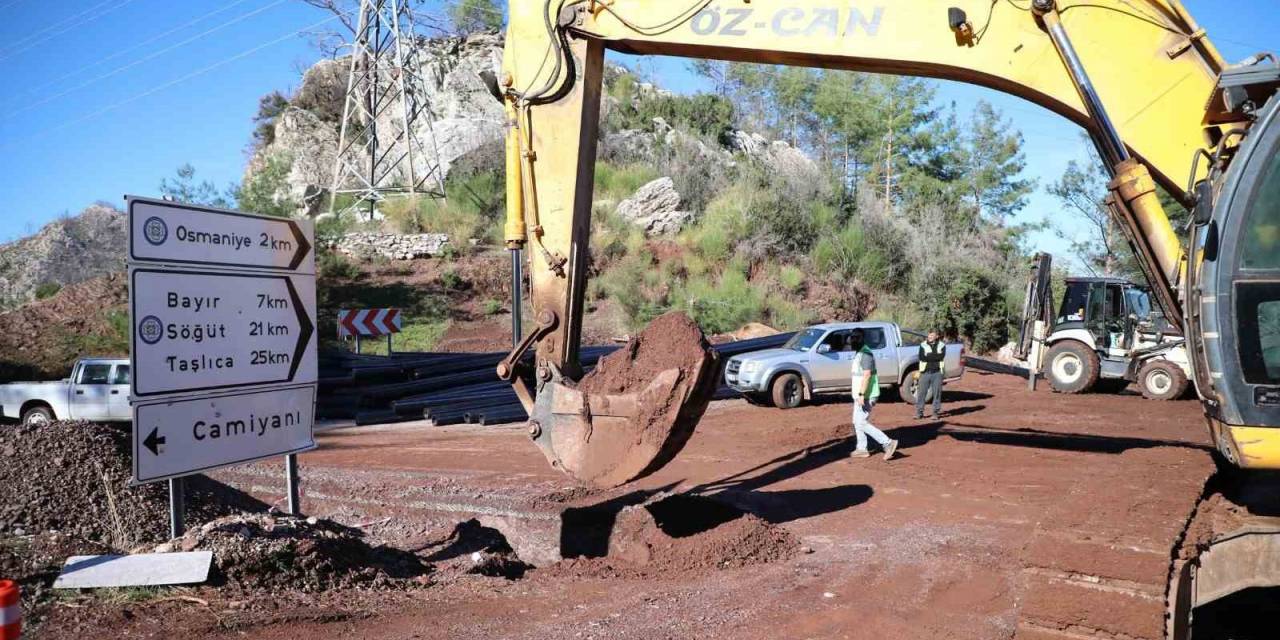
(862, 426)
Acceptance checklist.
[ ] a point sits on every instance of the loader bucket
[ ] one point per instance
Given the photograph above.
(633, 413)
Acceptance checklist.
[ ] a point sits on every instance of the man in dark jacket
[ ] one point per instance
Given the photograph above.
(933, 353)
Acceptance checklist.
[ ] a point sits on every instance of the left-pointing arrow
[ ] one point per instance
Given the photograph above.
(153, 441)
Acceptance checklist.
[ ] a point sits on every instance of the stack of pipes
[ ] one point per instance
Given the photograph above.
(450, 388)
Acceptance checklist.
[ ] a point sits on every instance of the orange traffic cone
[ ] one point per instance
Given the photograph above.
(10, 611)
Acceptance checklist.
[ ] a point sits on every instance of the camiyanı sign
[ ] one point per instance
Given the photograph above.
(181, 437)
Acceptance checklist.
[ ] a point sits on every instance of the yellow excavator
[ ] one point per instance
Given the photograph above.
(1141, 76)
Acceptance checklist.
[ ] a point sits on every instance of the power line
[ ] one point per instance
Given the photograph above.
(135, 47)
(84, 21)
(22, 41)
(1255, 47)
(161, 87)
(143, 59)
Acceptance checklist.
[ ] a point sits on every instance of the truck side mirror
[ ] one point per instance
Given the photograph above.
(824, 348)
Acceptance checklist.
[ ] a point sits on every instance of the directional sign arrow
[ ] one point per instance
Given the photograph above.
(153, 443)
(196, 331)
(305, 331)
(220, 429)
(170, 233)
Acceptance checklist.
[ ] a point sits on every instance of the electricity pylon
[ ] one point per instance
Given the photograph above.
(379, 150)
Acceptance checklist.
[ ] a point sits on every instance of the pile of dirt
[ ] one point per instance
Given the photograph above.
(43, 339)
(267, 551)
(671, 369)
(73, 478)
(639, 539)
(682, 534)
(672, 341)
(472, 548)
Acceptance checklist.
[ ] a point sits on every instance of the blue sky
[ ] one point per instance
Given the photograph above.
(107, 97)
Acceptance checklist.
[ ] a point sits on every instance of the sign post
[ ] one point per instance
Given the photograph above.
(223, 315)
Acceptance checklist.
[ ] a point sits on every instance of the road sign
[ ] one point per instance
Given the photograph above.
(179, 437)
(201, 331)
(172, 233)
(368, 322)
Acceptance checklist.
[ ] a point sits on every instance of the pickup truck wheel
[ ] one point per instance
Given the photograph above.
(37, 416)
(908, 389)
(787, 391)
(1073, 367)
(1162, 380)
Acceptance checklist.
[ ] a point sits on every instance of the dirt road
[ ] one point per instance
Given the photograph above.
(1019, 515)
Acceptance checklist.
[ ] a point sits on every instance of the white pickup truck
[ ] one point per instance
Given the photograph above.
(97, 390)
(817, 360)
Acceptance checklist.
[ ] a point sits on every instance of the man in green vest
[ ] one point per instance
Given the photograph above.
(866, 390)
(933, 354)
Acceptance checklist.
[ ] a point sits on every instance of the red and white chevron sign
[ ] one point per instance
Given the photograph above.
(368, 322)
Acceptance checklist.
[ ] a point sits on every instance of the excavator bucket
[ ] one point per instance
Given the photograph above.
(633, 413)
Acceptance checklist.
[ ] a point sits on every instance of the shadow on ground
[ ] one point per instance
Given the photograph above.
(585, 531)
(917, 435)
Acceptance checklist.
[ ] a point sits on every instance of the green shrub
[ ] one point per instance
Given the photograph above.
(628, 284)
(416, 335)
(871, 253)
(785, 315)
(451, 280)
(619, 182)
(492, 307)
(260, 193)
(331, 264)
(722, 306)
(113, 341)
(334, 226)
(713, 243)
(967, 302)
(705, 114)
(792, 278)
(47, 290)
(474, 208)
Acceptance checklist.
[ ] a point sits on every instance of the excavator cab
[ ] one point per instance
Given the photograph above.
(1235, 294)
(1112, 310)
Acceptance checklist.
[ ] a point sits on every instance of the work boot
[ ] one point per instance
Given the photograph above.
(860, 453)
(920, 416)
(890, 449)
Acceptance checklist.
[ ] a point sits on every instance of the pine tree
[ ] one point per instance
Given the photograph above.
(475, 16)
(994, 161)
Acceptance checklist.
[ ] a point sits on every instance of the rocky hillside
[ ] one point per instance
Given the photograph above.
(64, 252)
(461, 118)
(43, 339)
(463, 124)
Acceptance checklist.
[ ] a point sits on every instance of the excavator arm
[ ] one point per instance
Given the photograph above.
(1139, 75)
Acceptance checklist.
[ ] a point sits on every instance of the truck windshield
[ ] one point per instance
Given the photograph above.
(804, 340)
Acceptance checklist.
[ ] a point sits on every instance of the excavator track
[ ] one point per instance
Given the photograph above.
(1148, 581)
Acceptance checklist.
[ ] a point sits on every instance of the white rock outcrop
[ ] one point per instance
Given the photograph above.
(462, 116)
(656, 208)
